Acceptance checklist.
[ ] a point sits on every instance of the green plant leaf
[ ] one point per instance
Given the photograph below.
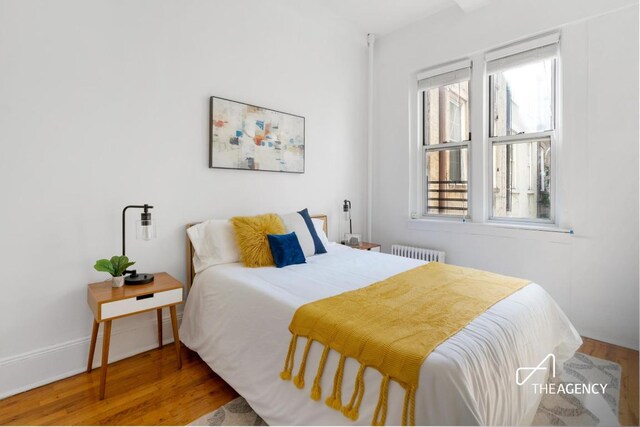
(126, 265)
(115, 261)
(105, 265)
(115, 266)
(122, 262)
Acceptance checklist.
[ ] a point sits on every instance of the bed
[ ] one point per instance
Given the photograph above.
(237, 318)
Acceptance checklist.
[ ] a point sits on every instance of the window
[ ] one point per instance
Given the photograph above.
(515, 154)
(522, 124)
(444, 112)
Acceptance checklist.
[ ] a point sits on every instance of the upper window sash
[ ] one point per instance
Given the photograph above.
(515, 60)
(446, 74)
(513, 51)
(446, 84)
(509, 66)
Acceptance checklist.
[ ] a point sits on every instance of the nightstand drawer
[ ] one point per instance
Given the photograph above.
(132, 305)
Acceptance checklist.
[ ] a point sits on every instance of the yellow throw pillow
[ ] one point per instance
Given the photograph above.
(251, 235)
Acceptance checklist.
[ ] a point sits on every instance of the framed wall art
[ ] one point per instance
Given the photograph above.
(243, 136)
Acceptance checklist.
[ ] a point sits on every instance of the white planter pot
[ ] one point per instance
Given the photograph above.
(117, 282)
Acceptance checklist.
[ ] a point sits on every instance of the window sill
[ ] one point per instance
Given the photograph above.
(497, 229)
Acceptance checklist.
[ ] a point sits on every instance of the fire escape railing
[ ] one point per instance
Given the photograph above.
(447, 196)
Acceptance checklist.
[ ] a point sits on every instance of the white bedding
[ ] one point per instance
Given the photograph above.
(237, 319)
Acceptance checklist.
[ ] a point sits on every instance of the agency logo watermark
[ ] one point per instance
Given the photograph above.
(524, 374)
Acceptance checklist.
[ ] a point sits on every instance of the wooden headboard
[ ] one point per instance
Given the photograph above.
(191, 252)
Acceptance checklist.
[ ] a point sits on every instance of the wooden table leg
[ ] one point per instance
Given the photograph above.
(176, 338)
(92, 346)
(105, 357)
(160, 327)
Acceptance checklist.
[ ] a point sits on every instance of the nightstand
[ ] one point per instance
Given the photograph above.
(365, 246)
(108, 303)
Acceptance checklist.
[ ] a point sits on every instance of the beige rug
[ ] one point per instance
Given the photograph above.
(557, 410)
(584, 409)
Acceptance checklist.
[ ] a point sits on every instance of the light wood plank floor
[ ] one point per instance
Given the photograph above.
(628, 361)
(148, 389)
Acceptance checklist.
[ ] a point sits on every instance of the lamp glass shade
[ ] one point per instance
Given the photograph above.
(346, 209)
(145, 229)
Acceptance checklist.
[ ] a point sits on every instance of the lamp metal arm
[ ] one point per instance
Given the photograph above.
(146, 210)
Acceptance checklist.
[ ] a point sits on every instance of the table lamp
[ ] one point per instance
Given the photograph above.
(346, 208)
(145, 230)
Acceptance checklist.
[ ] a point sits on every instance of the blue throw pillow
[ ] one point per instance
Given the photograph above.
(285, 249)
(320, 249)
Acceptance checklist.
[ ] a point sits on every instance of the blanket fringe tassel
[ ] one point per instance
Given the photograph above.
(409, 406)
(380, 414)
(288, 363)
(351, 410)
(334, 401)
(316, 391)
(298, 381)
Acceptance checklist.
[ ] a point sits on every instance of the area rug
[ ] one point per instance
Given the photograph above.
(557, 409)
(583, 409)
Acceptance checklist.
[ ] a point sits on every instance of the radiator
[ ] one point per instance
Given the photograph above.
(417, 253)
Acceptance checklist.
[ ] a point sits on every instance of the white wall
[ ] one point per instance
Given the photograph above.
(592, 275)
(105, 103)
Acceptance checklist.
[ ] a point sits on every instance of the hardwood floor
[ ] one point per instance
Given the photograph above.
(628, 361)
(147, 389)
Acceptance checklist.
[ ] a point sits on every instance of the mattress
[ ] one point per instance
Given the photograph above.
(237, 319)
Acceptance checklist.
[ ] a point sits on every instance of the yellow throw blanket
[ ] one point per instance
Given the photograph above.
(393, 325)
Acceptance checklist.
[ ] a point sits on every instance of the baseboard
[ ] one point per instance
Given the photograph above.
(48, 364)
(607, 339)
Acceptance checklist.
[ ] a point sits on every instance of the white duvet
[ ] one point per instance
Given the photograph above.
(237, 319)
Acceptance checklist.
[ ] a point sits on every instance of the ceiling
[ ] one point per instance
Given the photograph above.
(384, 16)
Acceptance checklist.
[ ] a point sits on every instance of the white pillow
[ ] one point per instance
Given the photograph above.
(214, 242)
(294, 222)
(318, 224)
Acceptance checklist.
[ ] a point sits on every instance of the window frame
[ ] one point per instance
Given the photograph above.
(480, 153)
(522, 139)
(426, 148)
(551, 134)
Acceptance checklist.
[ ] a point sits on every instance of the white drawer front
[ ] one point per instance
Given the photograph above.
(133, 305)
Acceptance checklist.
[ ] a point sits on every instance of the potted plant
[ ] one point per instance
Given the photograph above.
(116, 266)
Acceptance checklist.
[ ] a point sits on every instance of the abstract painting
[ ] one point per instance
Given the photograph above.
(244, 136)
